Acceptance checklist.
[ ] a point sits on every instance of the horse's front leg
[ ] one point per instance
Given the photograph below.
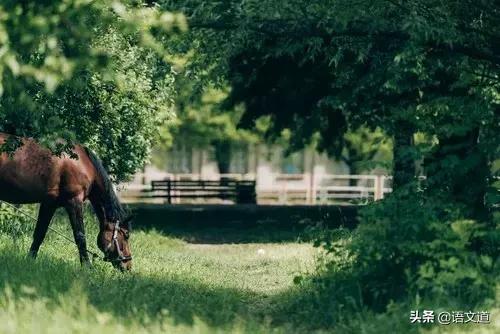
(45, 214)
(74, 208)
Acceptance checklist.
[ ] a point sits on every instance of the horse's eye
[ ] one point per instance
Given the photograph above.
(126, 234)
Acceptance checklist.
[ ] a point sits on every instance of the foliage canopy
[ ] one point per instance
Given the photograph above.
(328, 67)
(86, 71)
(427, 68)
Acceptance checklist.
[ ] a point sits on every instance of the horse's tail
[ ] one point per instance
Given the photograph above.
(112, 206)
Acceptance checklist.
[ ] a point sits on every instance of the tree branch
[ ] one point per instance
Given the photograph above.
(283, 28)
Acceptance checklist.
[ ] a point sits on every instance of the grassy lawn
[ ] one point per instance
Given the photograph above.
(207, 280)
(175, 285)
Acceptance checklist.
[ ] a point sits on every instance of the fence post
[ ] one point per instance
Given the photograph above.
(169, 188)
(382, 185)
(313, 190)
(283, 194)
(378, 193)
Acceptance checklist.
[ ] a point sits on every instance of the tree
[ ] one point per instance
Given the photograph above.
(86, 71)
(425, 66)
(201, 122)
(365, 150)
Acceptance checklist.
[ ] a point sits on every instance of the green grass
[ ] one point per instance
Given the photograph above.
(174, 286)
(183, 281)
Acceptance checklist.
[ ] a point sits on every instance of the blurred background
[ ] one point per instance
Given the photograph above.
(206, 142)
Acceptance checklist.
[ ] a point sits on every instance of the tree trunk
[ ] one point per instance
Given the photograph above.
(460, 170)
(350, 161)
(223, 156)
(404, 161)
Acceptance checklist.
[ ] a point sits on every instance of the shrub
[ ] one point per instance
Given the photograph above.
(15, 224)
(410, 247)
(411, 244)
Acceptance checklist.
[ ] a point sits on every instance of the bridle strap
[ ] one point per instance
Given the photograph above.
(120, 256)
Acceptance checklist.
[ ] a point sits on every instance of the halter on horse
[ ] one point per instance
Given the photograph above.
(121, 257)
(32, 174)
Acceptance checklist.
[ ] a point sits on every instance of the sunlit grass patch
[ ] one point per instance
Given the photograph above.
(174, 286)
(185, 285)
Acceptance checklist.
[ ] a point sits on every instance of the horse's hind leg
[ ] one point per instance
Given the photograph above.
(74, 207)
(45, 214)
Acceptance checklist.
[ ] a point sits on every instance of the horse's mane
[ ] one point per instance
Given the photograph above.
(112, 206)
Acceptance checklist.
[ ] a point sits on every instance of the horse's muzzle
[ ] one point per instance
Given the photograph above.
(120, 262)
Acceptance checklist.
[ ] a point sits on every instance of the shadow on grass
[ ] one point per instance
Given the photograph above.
(239, 223)
(234, 233)
(139, 298)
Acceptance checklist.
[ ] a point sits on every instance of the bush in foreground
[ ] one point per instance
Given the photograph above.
(408, 251)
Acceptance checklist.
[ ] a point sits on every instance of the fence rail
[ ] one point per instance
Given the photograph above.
(283, 188)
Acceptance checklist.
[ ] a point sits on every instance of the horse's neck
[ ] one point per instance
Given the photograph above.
(99, 209)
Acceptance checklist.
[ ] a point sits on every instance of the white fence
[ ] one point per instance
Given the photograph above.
(286, 188)
(326, 189)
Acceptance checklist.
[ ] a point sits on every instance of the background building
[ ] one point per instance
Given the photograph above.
(303, 177)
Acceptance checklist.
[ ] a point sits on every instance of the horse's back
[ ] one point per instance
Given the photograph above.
(33, 174)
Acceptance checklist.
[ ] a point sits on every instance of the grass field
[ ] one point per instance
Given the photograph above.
(174, 286)
(182, 282)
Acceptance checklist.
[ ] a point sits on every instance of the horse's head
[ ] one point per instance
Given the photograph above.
(113, 241)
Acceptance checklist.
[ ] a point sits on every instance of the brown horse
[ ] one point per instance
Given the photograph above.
(32, 174)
